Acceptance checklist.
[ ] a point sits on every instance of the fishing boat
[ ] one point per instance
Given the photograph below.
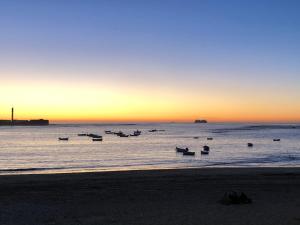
(137, 132)
(181, 149)
(206, 148)
(97, 139)
(94, 136)
(63, 139)
(108, 132)
(152, 131)
(189, 153)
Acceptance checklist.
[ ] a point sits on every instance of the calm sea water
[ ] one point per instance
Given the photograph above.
(37, 149)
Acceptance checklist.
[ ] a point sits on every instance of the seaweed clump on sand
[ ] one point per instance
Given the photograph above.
(235, 198)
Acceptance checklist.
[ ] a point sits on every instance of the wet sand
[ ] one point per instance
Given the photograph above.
(161, 197)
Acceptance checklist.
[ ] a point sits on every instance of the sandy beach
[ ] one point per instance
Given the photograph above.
(161, 197)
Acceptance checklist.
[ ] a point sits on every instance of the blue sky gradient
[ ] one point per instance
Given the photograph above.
(222, 45)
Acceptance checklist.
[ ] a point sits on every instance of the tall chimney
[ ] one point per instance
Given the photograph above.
(12, 116)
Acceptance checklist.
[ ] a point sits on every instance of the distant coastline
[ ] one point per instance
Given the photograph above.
(13, 122)
(40, 122)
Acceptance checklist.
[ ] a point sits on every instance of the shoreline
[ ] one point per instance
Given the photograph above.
(151, 197)
(241, 169)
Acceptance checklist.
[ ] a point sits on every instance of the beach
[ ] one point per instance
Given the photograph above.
(160, 197)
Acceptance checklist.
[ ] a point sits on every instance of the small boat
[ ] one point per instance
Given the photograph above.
(97, 139)
(210, 139)
(63, 139)
(82, 135)
(196, 137)
(250, 145)
(181, 149)
(136, 133)
(276, 139)
(123, 135)
(154, 130)
(188, 153)
(94, 136)
(161, 130)
(108, 132)
(206, 148)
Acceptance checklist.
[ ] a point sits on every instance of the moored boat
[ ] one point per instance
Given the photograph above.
(136, 133)
(189, 153)
(63, 139)
(205, 150)
(97, 139)
(94, 135)
(123, 135)
(153, 130)
(181, 149)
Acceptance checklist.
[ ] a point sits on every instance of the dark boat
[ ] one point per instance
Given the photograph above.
(108, 132)
(63, 139)
(189, 153)
(276, 139)
(97, 139)
(123, 135)
(250, 145)
(82, 135)
(210, 139)
(181, 149)
(94, 136)
(154, 130)
(206, 148)
(196, 137)
(136, 133)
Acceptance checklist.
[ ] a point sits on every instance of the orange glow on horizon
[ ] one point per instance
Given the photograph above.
(106, 102)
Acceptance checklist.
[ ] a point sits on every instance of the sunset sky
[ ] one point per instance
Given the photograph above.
(160, 60)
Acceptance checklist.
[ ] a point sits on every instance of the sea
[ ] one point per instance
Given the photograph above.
(32, 150)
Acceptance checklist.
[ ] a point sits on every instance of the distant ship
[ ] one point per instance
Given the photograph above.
(200, 121)
(13, 122)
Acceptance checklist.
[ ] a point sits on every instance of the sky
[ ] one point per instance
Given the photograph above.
(159, 60)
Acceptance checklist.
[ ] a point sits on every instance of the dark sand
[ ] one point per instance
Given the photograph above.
(167, 197)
